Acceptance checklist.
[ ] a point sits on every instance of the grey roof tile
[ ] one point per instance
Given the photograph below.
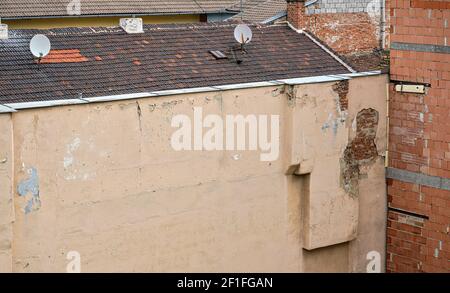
(35, 8)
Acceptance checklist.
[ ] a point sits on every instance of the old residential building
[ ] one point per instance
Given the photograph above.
(87, 165)
(419, 219)
(44, 14)
(261, 11)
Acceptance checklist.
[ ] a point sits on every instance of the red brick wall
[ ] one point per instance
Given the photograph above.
(415, 244)
(419, 25)
(419, 139)
(343, 32)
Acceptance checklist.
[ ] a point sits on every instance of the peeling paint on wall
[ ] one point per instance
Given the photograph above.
(362, 151)
(342, 89)
(171, 104)
(73, 146)
(139, 113)
(30, 187)
(72, 173)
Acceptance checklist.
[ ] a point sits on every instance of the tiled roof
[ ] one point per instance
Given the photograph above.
(258, 11)
(34, 8)
(255, 11)
(368, 61)
(108, 61)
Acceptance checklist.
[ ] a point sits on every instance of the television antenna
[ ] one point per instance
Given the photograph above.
(242, 12)
(40, 46)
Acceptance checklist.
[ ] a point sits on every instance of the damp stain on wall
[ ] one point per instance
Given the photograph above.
(29, 188)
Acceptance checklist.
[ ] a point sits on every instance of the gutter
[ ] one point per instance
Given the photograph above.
(14, 107)
(116, 15)
(6, 109)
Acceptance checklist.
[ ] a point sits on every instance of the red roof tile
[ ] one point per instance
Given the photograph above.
(64, 56)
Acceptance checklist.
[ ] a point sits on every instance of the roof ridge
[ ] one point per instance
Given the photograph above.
(117, 29)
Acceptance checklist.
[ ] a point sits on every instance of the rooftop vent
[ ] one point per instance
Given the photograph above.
(132, 25)
(218, 55)
(3, 31)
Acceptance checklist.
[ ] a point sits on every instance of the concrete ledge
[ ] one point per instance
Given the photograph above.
(420, 47)
(418, 178)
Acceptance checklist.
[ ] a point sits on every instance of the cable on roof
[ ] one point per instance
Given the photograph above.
(204, 11)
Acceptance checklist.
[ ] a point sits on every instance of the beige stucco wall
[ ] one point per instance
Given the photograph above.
(6, 193)
(112, 188)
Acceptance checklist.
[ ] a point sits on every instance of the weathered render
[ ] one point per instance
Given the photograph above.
(102, 179)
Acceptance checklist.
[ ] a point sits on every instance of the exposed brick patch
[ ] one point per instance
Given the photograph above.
(342, 88)
(361, 151)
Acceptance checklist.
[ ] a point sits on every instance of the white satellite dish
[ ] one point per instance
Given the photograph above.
(40, 46)
(243, 34)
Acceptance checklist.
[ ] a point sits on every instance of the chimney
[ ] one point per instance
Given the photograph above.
(132, 25)
(296, 13)
(3, 31)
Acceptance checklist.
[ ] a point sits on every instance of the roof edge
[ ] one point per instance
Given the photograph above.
(14, 107)
(137, 14)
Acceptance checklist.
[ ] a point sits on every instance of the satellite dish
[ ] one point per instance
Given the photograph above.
(243, 34)
(40, 46)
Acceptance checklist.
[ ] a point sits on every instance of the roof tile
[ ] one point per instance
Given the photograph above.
(35, 8)
(276, 52)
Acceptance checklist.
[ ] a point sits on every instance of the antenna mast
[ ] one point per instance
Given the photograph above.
(242, 13)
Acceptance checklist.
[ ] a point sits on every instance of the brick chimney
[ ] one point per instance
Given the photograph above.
(296, 13)
(345, 29)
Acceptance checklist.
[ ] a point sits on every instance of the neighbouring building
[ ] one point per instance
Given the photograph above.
(44, 14)
(357, 30)
(87, 165)
(417, 34)
(261, 11)
(419, 138)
